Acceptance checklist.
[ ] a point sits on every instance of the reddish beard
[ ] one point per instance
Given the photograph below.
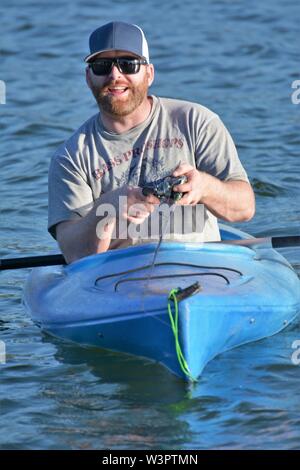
(116, 106)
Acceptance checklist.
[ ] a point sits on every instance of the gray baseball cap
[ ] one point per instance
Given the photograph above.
(118, 36)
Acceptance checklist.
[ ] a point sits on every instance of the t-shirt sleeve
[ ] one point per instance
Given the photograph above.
(69, 195)
(216, 153)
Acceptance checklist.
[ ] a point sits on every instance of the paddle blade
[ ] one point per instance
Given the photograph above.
(283, 242)
(274, 242)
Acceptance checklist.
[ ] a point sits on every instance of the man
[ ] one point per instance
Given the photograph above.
(134, 140)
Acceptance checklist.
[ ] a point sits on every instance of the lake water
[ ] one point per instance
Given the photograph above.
(240, 60)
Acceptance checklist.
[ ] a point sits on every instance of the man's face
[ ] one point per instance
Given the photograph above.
(118, 94)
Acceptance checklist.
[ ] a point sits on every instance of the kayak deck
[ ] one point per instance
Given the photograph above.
(118, 300)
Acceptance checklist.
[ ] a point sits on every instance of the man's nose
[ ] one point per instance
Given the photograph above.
(115, 72)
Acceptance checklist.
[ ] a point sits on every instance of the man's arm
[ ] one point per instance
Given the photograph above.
(93, 233)
(231, 200)
(79, 238)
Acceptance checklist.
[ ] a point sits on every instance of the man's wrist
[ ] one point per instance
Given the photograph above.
(207, 183)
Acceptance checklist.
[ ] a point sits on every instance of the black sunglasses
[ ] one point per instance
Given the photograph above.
(128, 66)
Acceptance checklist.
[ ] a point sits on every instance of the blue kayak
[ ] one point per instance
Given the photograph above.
(197, 301)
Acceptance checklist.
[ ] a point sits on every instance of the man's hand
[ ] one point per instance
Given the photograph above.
(137, 207)
(194, 186)
(130, 203)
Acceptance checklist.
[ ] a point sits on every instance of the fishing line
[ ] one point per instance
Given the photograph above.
(152, 266)
(172, 206)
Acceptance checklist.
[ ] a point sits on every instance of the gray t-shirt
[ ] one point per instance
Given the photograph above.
(94, 161)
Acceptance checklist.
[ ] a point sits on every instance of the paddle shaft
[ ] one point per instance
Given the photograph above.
(31, 262)
(52, 260)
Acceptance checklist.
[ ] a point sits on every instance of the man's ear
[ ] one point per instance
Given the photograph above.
(87, 76)
(150, 74)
